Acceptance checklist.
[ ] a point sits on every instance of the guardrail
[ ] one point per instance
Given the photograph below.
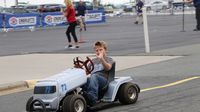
(17, 21)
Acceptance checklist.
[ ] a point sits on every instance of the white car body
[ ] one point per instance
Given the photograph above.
(64, 82)
(157, 5)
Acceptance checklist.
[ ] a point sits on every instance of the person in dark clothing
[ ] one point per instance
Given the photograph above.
(139, 6)
(69, 13)
(81, 10)
(197, 12)
(41, 9)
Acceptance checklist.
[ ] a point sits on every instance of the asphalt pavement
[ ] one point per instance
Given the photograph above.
(174, 56)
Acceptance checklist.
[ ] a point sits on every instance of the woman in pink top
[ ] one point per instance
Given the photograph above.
(70, 14)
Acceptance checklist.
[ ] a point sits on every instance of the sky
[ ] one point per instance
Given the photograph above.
(8, 3)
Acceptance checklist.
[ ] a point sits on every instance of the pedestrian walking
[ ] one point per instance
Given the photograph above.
(139, 7)
(197, 12)
(70, 15)
(81, 10)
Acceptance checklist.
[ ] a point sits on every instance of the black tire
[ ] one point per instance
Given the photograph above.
(74, 103)
(127, 93)
(138, 87)
(40, 102)
(28, 104)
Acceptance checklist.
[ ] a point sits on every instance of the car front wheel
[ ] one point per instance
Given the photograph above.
(74, 103)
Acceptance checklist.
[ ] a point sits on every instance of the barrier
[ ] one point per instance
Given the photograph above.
(53, 19)
(21, 20)
(57, 18)
(46, 19)
(95, 16)
(1, 20)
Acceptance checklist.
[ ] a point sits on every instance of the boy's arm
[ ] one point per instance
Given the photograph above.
(106, 65)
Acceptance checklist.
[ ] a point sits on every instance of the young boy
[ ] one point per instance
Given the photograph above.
(99, 76)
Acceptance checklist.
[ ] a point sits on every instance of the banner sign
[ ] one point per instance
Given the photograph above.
(53, 19)
(46, 19)
(95, 16)
(57, 18)
(1, 21)
(21, 20)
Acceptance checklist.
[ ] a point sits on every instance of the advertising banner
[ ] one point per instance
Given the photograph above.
(46, 19)
(53, 19)
(21, 20)
(95, 16)
(1, 21)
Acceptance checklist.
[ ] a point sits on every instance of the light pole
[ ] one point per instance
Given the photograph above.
(146, 30)
(16, 2)
(183, 17)
(4, 3)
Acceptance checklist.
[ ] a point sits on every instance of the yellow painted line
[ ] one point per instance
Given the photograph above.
(170, 84)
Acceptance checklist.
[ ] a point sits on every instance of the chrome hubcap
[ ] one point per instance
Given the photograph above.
(79, 105)
(132, 93)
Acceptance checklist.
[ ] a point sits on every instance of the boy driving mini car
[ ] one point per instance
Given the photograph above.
(99, 76)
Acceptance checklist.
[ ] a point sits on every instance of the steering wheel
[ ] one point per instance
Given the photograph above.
(88, 65)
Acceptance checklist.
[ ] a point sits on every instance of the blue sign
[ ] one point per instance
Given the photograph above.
(95, 16)
(46, 19)
(21, 20)
(53, 19)
(1, 21)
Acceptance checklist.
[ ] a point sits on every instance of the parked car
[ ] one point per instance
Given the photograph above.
(14, 10)
(157, 6)
(179, 5)
(89, 5)
(108, 9)
(18, 6)
(128, 8)
(50, 7)
(32, 8)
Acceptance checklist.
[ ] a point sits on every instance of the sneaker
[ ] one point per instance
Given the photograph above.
(69, 46)
(73, 47)
(77, 46)
(196, 30)
(136, 22)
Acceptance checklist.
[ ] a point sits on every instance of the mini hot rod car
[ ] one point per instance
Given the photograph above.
(63, 92)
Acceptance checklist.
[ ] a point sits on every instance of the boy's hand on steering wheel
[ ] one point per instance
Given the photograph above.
(87, 65)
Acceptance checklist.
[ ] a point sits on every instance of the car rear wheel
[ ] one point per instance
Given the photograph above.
(74, 103)
(128, 93)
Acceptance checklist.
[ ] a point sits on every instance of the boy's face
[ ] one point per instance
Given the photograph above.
(99, 50)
